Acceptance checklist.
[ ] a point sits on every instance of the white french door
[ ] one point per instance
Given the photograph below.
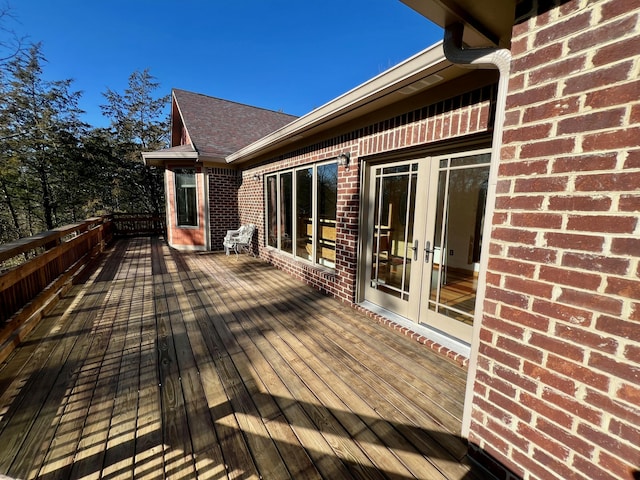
(424, 237)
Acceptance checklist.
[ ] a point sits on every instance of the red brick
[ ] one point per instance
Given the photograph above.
(596, 263)
(514, 235)
(618, 369)
(552, 110)
(554, 71)
(590, 470)
(597, 79)
(543, 441)
(549, 148)
(583, 337)
(614, 140)
(531, 96)
(509, 405)
(525, 318)
(616, 408)
(629, 393)
(630, 433)
(632, 353)
(623, 287)
(602, 223)
(607, 442)
(573, 406)
(618, 468)
(562, 29)
(547, 410)
(550, 378)
(592, 122)
(529, 287)
(509, 298)
(490, 438)
(559, 468)
(515, 378)
(532, 468)
(608, 182)
(578, 203)
(500, 356)
(522, 202)
(629, 203)
(584, 163)
(614, 8)
(591, 301)
(569, 439)
(626, 246)
(615, 52)
(567, 277)
(501, 327)
(527, 133)
(520, 349)
(578, 372)
(513, 267)
(609, 31)
(575, 316)
(533, 254)
(557, 346)
(536, 220)
(537, 57)
(572, 241)
(496, 383)
(519, 168)
(612, 95)
(619, 327)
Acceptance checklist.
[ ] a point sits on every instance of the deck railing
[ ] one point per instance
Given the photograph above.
(36, 271)
(137, 224)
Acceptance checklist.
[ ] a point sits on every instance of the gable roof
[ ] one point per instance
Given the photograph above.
(220, 127)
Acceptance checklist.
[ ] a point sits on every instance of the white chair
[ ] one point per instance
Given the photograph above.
(240, 239)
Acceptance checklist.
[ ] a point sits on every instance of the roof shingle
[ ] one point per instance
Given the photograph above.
(220, 127)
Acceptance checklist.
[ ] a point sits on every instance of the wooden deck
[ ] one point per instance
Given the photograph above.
(183, 365)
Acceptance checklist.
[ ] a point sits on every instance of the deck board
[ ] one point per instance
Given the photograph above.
(161, 364)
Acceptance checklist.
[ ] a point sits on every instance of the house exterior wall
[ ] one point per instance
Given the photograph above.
(457, 117)
(223, 207)
(185, 238)
(557, 386)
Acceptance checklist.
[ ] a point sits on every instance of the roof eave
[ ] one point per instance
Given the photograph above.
(159, 158)
(417, 68)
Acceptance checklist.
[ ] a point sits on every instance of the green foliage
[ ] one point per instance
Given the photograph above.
(55, 169)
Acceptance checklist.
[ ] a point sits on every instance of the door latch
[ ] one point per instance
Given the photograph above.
(415, 250)
(428, 251)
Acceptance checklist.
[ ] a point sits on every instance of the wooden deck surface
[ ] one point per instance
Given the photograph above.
(161, 364)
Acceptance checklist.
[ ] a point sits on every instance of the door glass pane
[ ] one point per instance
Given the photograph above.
(458, 237)
(272, 211)
(392, 232)
(304, 216)
(327, 200)
(286, 213)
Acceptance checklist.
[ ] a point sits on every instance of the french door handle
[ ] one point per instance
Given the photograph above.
(427, 251)
(415, 250)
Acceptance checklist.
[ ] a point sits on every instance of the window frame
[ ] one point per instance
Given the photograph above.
(279, 245)
(177, 192)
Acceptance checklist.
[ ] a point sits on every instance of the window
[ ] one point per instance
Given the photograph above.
(186, 199)
(301, 212)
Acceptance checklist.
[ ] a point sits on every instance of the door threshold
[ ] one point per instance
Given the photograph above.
(440, 338)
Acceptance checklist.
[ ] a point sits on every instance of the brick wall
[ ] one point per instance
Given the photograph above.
(457, 117)
(557, 390)
(223, 208)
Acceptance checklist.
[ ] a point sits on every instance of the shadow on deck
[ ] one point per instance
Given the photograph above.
(163, 364)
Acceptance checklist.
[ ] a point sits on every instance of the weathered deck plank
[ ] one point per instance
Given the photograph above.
(162, 364)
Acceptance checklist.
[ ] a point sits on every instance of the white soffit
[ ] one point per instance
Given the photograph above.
(417, 73)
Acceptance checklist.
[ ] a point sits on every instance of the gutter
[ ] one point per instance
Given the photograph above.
(420, 66)
(481, 58)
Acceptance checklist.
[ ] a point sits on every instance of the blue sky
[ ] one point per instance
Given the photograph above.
(278, 54)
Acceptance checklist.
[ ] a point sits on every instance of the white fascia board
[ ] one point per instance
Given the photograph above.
(393, 79)
(155, 158)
